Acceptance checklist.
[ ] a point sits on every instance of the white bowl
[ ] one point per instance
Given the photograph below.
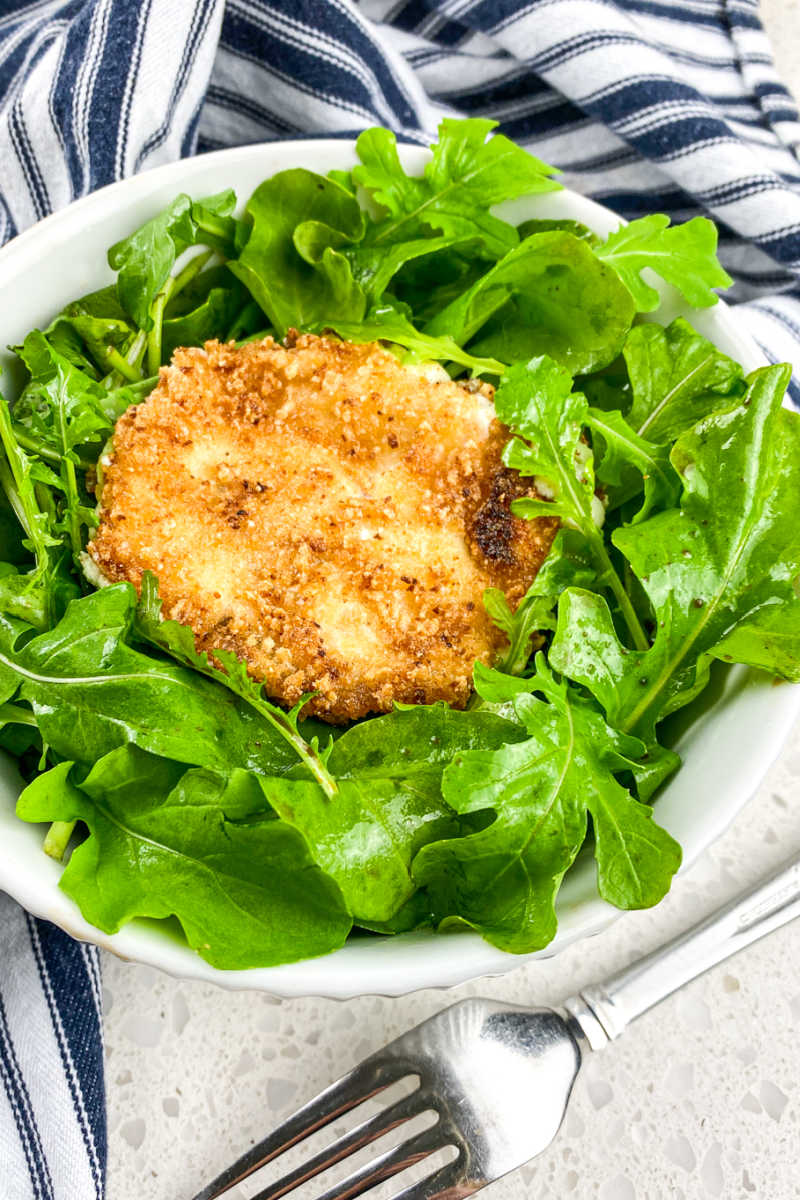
(727, 748)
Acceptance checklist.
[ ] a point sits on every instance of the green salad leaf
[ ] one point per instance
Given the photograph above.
(548, 295)
(178, 641)
(187, 793)
(165, 841)
(210, 306)
(625, 457)
(388, 801)
(676, 377)
(707, 566)
(466, 177)
(537, 403)
(388, 324)
(522, 625)
(146, 257)
(683, 255)
(503, 880)
(293, 262)
(374, 267)
(91, 691)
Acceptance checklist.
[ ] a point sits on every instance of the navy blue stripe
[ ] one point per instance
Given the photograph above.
(129, 32)
(416, 17)
(8, 228)
(302, 56)
(76, 1025)
(784, 318)
(248, 107)
(27, 160)
(200, 17)
(74, 40)
(189, 139)
(24, 1117)
(357, 107)
(693, 14)
(62, 94)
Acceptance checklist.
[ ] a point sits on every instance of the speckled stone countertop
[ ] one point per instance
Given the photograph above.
(701, 1098)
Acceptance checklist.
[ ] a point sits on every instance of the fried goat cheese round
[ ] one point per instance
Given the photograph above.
(325, 513)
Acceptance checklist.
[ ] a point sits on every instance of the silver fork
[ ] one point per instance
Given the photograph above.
(497, 1078)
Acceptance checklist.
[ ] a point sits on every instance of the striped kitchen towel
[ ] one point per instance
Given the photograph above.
(668, 105)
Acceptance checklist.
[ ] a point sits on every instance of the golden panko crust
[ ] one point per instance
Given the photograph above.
(325, 513)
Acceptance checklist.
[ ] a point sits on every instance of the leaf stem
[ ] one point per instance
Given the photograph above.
(15, 714)
(73, 500)
(298, 743)
(248, 311)
(192, 268)
(57, 839)
(149, 628)
(17, 484)
(170, 289)
(137, 350)
(120, 364)
(154, 336)
(28, 442)
(584, 520)
(70, 482)
(609, 577)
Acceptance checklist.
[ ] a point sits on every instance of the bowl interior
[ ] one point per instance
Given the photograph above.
(727, 749)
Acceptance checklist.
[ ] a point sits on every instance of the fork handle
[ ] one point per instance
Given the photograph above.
(604, 1010)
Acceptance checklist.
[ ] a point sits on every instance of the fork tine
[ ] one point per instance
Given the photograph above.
(385, 1166)
(443, 1184)
(368, 1131)
(362, 1083)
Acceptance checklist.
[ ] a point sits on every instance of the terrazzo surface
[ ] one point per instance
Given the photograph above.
(701, 1098)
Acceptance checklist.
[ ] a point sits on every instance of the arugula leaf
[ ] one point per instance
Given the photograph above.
(521, 625)
(684, 255)
(12, 551)
(626, 457)
(429, 282)
(40, 595)
(549, 295)
(771, 641)
(146, 257)
(536, 401)
(63, 409)
(651, 764)
(344, 179)
(178, 641)
(388, 800)
(569, 564)
(62, 406)
(707, 567)
(386, 323)
(91, 692)
(676, 378)
(467, 175)
(374, 267)
(540, 225)
(214, 223)
(292, 262)
(210, 319)
(166, 841)
(503, 880)
(414, 914)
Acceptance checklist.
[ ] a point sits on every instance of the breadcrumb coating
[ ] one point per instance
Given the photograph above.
(327, 514)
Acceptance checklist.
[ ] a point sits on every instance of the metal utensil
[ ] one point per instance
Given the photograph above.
(496, 1078)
